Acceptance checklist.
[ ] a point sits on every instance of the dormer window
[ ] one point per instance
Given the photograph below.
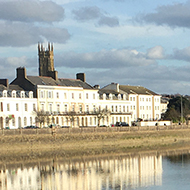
(104, 96)
(110, 96)
(119, 96)
(22, 94)
(124, 96)
(13, 94)
(4, 93)
(30, 94)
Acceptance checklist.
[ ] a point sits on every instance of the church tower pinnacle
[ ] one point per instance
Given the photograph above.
(46, 59)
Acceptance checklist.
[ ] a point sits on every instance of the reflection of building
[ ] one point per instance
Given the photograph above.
(90, 175)
(14, 179)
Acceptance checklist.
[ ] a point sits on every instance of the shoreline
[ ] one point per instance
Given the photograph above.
(81, 145)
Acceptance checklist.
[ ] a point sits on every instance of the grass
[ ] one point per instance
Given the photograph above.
(69, 145)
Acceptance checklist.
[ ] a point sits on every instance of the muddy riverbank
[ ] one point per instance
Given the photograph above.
(91, 144)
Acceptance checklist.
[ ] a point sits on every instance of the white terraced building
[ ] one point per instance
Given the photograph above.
(16, 106)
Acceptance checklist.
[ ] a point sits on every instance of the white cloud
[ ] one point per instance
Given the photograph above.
(156, 52)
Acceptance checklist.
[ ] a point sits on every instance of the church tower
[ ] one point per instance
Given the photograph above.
(46, 61)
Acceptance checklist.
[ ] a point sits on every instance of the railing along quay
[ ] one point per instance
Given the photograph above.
(44, 131)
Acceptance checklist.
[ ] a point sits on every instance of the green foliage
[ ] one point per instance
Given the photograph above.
(178, 108)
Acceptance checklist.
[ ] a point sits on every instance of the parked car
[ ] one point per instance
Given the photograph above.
(31, 127)
(53, 125)
(121, 124)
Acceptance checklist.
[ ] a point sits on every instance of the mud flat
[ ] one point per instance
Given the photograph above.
(23, 147)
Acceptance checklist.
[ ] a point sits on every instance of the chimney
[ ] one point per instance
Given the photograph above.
(97, 86)
(53, 74)
(81, 76)
(4, 82)
(21, 72)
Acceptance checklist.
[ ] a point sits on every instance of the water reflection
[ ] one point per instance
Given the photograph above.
(98, 174)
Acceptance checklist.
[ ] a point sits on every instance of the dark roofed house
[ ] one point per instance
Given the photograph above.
(32, 82)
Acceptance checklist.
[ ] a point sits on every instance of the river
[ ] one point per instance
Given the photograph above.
(127, 172)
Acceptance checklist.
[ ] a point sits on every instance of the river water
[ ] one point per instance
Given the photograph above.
(127, 172)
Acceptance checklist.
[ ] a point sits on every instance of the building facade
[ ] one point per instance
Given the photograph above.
(75, 103)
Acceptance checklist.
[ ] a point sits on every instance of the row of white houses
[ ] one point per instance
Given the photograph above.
(61, 98)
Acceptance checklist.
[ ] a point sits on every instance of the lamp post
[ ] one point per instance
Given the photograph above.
(181, 110)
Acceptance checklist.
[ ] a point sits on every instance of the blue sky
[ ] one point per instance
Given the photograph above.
(135, 42)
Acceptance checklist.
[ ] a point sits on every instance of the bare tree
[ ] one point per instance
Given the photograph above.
(101, 114)
(42, 117)
(72, 117)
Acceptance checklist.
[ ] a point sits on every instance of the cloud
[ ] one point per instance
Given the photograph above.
(176, 15)
(94, 13)
(109, 21)
(156, 52)
(31, 11)
(181, 54)
(104, 59)
(22, 34)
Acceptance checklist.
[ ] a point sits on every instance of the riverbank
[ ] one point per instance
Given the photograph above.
(72, 145)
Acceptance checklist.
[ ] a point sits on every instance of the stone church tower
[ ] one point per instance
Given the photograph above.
(46, 61)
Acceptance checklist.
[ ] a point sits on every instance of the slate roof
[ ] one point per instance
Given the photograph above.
(108, 91)
(39, 80)
(10, 87)
(136, 90)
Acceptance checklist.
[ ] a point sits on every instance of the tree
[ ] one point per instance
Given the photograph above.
(178, 107)
(72, 116)
(101, 114)
(42, 117)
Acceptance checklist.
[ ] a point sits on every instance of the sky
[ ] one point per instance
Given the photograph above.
(130, 42)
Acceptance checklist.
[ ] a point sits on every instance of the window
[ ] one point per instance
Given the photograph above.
(25, 107)
(13, 121)
(115, 108)
(133, 107)
(1, 106)
(34, 107)
(57, 94)
(133, 98)
(58, 108)
(41, 94)
(112, 108)
(50, 107)
(49, 94)
(30, 120)
(65, 107)
(30, 94)
(123, 108)
(120, 109)
(5, 94)
(86, 95)
(94, 120)
(80, 96)
(87, 108)
(8, 107)
(25, 121)
(73, 107)
(73, 96)
(94, 108)
(65, 95)
(13, 94)
(80, 108)
(130, 98)
(22, 94)
(94, 96)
